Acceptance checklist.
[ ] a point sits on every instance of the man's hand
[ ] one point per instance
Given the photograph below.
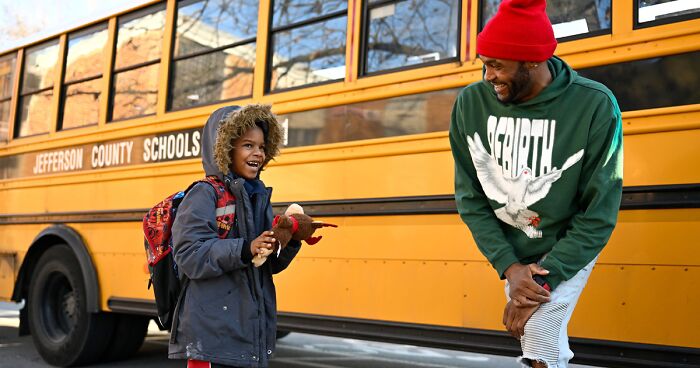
(524, 291)
(515, 318)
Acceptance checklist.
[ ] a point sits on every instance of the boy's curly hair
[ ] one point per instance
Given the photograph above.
(237, 123)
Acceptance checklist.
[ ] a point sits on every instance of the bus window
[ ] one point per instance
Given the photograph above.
(403, 33)
(653, 12)
(135, 85)
(286, 12)
(307, 43)
(82, 82)
(412, 114)
(670, 80)
(214, 52)
(37, 90)
(569, 18)
(7, 72)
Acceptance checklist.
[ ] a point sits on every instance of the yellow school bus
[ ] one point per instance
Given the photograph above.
(102, 121)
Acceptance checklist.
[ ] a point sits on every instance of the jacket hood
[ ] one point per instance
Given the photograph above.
(562, 77)
(228, 123)
(209, 134)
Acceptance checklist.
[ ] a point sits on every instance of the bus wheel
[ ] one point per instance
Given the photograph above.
(129, 333)
(282, 333)
(63, 331)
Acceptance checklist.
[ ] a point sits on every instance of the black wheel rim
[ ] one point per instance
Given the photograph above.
(59, 312)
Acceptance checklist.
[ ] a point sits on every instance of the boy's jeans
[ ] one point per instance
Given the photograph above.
(546, 338)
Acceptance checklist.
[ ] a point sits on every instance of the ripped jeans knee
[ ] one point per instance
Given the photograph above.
(546, 339)
(535, 363)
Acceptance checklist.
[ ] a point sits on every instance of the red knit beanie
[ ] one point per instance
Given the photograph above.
(519, 31)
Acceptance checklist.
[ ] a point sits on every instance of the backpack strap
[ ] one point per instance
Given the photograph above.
(225, 205)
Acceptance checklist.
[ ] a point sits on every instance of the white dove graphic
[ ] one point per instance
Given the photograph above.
(515, 193)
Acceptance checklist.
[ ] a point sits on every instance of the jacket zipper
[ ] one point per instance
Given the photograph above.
(252, 272)
(260, 207)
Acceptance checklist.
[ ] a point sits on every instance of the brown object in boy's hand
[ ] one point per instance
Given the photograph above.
(285, 229)
(294, 224)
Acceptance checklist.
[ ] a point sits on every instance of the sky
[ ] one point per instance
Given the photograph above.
(48, 17)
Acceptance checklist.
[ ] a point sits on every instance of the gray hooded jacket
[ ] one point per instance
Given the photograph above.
(227, 311)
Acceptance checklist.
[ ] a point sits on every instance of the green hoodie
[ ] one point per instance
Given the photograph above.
(541, 177)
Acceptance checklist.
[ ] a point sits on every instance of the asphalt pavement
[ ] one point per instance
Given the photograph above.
(296, 350)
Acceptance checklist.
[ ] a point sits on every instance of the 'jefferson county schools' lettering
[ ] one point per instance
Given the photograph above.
(111, 154)
(171, 146)
(58, 161)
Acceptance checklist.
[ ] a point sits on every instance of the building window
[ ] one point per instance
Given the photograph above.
(36, 93)
(7, 72)
(580, 18)
(407, 33)
(214, 52)
(135, 85)
(82, 82)
(307, 43)
(654, 12)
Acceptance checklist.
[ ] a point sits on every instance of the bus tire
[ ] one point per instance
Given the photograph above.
(129, 333)
(282, 333)
(62, 329)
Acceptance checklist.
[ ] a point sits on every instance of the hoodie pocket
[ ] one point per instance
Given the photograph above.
(239, 310)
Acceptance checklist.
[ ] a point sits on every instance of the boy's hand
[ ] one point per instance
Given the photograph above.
(262, 245)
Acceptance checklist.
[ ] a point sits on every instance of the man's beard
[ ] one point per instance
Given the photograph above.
(519, 86)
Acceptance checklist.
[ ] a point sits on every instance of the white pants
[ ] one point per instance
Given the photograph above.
(546, 338)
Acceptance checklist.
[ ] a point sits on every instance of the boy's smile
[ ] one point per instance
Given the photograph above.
(248, 154)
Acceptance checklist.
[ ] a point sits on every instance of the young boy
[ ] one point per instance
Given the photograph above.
(226, 314)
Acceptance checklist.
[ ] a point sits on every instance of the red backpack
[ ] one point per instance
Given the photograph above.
(157, 230)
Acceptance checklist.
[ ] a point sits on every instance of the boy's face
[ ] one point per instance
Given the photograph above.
(248, 154)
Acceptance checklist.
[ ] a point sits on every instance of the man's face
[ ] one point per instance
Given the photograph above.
(510, 79)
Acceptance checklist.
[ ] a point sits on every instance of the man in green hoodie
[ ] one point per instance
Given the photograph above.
(538, 174)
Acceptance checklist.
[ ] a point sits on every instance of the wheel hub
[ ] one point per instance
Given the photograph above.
(69, 306)
(60, 313)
